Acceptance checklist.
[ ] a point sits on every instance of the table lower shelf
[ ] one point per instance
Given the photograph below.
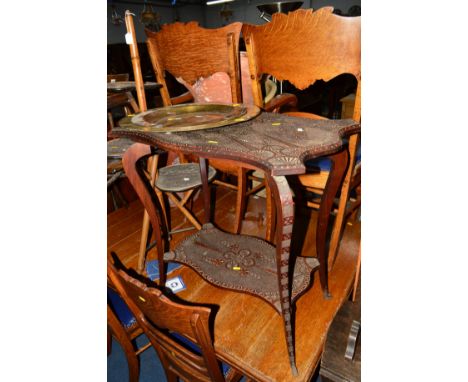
(241, 263)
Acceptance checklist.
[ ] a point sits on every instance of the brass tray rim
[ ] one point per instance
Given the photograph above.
(252, 112)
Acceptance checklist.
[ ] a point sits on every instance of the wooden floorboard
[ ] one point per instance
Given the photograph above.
(261, 327)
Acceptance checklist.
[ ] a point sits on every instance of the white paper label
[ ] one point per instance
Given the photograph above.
(175, 284)
(128, 38)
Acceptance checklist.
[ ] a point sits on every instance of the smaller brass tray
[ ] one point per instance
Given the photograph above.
(189, 117)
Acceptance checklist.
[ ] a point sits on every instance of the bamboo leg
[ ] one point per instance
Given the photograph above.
(135, 62)
(142, 107)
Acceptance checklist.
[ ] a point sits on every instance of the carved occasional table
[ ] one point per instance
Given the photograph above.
(278, 145)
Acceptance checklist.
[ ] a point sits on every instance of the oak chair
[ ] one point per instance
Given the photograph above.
(190, 52)
(179, 333)
(302, 47)
(162, 178)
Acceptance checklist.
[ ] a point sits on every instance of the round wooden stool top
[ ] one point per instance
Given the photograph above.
(117, 147)
(181, 177)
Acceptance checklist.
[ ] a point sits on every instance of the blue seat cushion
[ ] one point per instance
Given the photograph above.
(190, 345)
(324, 164)
(152, 269)
(120, 308)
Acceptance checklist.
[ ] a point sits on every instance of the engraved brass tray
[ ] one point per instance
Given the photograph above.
(189, 117)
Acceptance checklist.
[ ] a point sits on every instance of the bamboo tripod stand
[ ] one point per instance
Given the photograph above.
(153, 161)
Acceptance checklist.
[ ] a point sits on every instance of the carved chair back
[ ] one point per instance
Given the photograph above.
(305, 46)
(189, 51)
(207, 62)
(302, 47)
(160, 318)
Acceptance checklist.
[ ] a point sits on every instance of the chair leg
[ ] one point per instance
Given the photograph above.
(339, 219)
(337, 230)
(184, 210)
(122, 337)
(356, 277)
(116, 188)
(133, 368)
(162, 202)
(171, 377)
(233, 376)
(241, 199)
(114, 200)
(109, 341)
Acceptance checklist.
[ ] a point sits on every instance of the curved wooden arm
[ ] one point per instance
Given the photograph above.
(281, 100)
(183, 98)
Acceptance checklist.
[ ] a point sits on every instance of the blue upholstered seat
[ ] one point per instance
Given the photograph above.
(120, 309)
(324, 164)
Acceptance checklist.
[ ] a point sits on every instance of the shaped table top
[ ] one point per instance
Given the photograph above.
(276, 143)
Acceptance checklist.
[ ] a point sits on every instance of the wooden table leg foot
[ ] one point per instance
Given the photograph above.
(294, 370)
(327, 295)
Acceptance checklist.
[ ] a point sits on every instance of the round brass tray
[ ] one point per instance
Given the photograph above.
(189, 117)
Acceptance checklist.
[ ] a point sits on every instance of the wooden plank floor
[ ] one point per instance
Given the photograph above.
(313, 313)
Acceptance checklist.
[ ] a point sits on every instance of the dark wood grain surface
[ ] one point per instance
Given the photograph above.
(276, 144)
